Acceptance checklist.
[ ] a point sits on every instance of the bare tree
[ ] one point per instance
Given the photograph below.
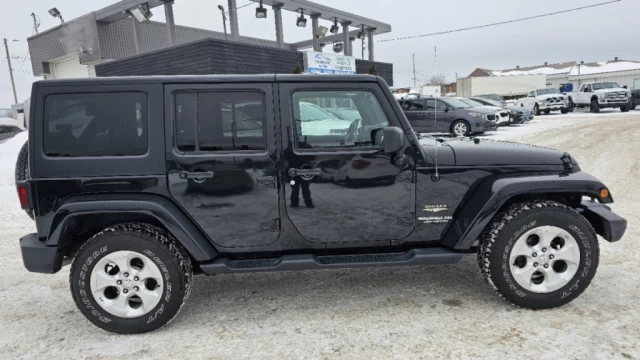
(438, 79)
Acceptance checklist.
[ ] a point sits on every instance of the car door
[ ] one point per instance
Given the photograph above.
(416, 112)
(221, 160)
(343, 190)
(443, 117)
(585, 94)
(530, 100)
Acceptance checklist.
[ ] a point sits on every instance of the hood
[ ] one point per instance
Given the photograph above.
(518, 108)
(482, 110)
(491, 152)
(547, 96)
(611, 90)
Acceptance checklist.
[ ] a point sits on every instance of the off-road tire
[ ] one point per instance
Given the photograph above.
(624, 108)
(564, 111)
(572, 106)
(536, 110)
(158, 246)
(547, 112)
(22, 169)
(595, 106)
(632, 104)
(497, 241)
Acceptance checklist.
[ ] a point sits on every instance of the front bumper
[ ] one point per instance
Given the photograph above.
(606, 223)
(552, 107)
(613, 102)
(38, 257)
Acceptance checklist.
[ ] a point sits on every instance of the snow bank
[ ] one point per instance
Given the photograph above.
(607, 67)
(538, 71)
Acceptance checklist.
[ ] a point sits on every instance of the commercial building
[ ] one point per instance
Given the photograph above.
(520, 80)
(123, 31)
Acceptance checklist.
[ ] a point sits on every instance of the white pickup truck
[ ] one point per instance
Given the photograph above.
(599, 95)
(545, 100)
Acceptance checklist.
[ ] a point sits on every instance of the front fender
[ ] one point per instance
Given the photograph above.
(487, 199)
(162, 209)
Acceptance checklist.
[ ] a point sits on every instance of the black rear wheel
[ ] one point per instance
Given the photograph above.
(22, 169)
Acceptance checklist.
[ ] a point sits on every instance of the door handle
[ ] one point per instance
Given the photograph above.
(304, 172)
(197, 175)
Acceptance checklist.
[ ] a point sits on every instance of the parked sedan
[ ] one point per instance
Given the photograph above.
(518, 114)
(447, 115)
(502, 114)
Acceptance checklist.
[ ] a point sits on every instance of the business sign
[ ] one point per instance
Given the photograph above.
(321, 63)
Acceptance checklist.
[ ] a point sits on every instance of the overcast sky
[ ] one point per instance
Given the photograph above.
(596, 34)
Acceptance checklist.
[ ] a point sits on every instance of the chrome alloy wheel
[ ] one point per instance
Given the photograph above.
(460, 129)
(544, 259)
(126, 284)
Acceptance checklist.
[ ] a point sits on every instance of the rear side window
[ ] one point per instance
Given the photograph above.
(219, 121)
(96, 124)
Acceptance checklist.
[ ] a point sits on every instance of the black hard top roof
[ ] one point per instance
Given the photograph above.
(181, 79)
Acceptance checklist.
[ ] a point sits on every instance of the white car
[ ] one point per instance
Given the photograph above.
(502, 114)
(545, 100)
(599, 95)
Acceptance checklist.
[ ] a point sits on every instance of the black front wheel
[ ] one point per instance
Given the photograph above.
(572, 106)
(539, 254)
(536, 110)
(595, 106)
(632, 104)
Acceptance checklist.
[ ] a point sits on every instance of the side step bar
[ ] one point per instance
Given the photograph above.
(429, 256)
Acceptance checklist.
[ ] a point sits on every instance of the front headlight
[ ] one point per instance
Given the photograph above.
(478, 115)
(601, 95)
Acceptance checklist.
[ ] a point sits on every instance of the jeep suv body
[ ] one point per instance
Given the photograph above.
(139, 182)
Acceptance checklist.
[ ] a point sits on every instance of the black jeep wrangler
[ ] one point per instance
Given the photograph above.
(141, 182)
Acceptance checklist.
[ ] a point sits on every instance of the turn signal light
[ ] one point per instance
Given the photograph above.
(604, 193)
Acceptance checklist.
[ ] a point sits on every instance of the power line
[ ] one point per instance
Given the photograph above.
(500, 23)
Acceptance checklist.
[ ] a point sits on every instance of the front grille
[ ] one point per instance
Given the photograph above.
(616, 94)
(491, 117)
(504, 114)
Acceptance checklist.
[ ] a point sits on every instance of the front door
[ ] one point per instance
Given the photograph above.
(341, 188)
(438, 116)
(221, 160)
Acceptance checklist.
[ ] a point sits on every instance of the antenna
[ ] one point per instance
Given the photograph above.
(436, 175)
(36, 23)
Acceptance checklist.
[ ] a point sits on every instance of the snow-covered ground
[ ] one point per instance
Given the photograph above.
(381, 313)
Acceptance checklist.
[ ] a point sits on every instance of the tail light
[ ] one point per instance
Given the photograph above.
(23, 195)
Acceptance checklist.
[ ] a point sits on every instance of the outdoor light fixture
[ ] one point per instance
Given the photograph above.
(141, 13)
(335, 29)
(56, 14)
(361, 34)
(338, 47)
(302, 21)
(322, 31)
(261, 12)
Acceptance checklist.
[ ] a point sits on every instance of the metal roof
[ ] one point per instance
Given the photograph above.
(330, 14)
(118, 10)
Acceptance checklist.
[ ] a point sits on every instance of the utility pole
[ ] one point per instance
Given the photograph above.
(36, 23)
(13, 83)
(414, 69)
(224, 19)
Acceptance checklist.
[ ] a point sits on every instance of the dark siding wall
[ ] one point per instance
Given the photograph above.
(212, 56)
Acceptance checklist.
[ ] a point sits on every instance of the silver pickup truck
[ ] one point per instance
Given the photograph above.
(600, 95)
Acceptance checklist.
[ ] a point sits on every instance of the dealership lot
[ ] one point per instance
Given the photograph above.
(382, 313)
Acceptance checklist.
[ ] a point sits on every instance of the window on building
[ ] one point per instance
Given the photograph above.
(220, 121)
(338, 119)
(96, 124)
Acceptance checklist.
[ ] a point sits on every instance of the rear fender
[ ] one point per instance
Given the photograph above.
(158, 207)
(489, 197)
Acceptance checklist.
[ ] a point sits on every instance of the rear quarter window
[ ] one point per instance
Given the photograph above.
(96, 124)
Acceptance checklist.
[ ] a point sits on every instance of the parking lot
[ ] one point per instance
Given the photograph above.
(381, 313)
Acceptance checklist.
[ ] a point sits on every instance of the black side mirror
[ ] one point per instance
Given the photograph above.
(446, 109)
(393, 140)
(625, 87)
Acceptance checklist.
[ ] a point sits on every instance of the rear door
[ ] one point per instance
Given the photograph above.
(342, 189)
(221, 161)
(416, 112)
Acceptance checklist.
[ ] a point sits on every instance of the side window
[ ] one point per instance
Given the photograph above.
(219, 121)
(440, 105)
(338, 119)
(587, 88)
(532, 94)
(413, 105)
(96, 124)
(431, 104)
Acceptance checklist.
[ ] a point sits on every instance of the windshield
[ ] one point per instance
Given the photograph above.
(456, 104)
(605, 85)
(548, 91)
(490, 102)
(495, 97)
(311, 112)
(472, 103)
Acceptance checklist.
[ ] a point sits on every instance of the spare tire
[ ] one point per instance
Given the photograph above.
(22, 168)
